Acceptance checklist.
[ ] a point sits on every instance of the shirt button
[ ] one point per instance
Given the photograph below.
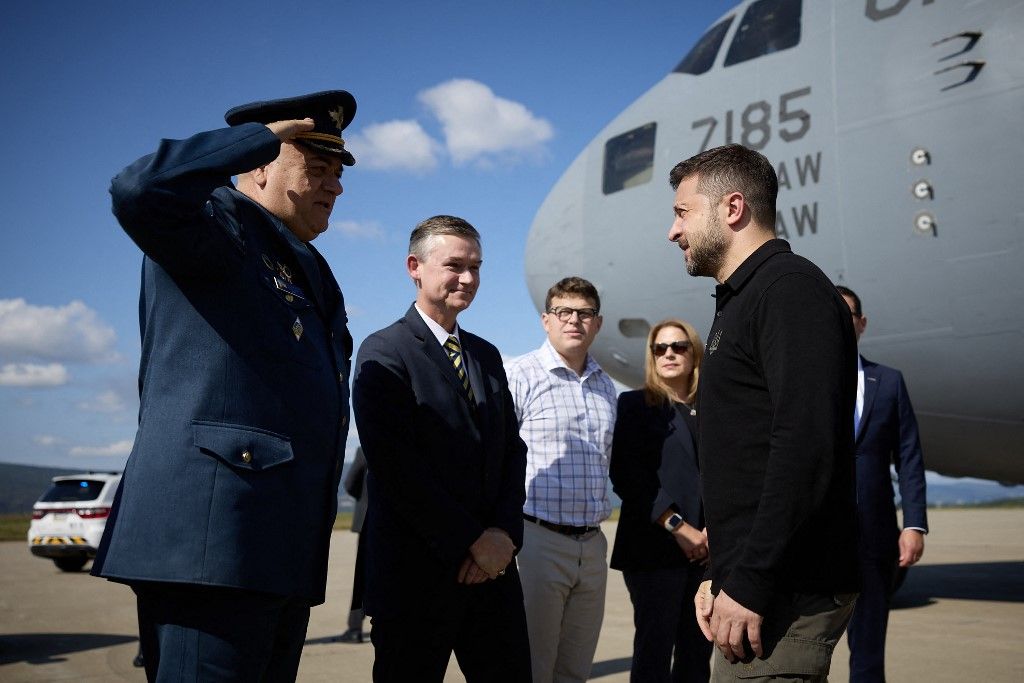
(341, 377)
(344, 421)
(246, 457)
(718, 314)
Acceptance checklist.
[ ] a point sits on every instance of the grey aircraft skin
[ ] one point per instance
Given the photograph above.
(895, 129)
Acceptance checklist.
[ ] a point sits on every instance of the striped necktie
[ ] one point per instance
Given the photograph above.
(455, 356)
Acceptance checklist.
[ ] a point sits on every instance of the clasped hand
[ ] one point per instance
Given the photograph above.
(488, 557)
(692, 542)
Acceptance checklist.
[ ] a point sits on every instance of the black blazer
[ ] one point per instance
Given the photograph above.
(440, 470)
(887, 435)
(653, 466)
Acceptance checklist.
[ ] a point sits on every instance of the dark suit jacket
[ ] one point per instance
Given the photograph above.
(653, 466)
(233, 477)
(440, 470)
(354, 484)
(887, 435)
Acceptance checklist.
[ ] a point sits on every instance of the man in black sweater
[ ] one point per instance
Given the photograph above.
(778, 386)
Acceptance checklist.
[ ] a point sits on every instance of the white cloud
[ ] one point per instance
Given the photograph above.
(71, 333)
(116, 449)
(400, 144)
(369, 230)
(479, 125)
(31, 375)
(48, 440)
(106, 402)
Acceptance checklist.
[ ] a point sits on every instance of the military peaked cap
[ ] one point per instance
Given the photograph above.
(331, 111)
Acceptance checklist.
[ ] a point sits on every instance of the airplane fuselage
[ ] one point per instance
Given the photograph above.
(891, 125)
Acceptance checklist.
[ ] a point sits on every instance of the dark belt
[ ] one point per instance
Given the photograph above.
(564, 529)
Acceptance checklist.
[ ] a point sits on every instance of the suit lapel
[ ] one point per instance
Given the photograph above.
(870, 391)
(432, 350)
(681, 433)
(310, 269)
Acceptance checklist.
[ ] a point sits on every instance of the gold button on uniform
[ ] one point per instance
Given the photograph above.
(289, 298)
(246, 457)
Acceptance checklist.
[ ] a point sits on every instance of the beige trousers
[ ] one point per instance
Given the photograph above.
(564, 580)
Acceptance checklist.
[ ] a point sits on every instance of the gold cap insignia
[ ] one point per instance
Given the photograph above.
(338, 116)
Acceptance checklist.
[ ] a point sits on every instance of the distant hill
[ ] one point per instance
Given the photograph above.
(21, 485)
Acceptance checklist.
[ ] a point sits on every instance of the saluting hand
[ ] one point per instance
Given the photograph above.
(286, 130)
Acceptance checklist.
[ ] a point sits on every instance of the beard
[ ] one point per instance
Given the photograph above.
(707, 249)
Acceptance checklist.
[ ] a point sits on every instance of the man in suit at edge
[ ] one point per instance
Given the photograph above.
(885, 433)
(354, 484)
(223, 519)
(445, 480)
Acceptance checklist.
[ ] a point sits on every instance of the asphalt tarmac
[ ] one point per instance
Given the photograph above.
(959, 616)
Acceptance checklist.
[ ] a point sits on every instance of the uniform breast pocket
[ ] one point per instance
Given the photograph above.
(292, 329)
(241, 447)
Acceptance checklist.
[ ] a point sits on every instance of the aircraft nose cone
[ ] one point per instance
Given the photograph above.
(554, 247)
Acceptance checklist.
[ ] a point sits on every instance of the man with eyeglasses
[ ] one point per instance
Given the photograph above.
(566, 408)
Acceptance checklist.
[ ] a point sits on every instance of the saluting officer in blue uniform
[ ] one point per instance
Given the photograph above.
(224, 516)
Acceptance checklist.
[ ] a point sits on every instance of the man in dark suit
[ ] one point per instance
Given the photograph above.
(446, 479)
(222, 522)
(354, 484)
(886, 434)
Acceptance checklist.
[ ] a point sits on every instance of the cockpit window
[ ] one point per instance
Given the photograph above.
(702, 56)
(768, 26)
(629, 158)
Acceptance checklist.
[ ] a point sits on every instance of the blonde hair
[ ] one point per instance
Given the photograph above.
(655, 389)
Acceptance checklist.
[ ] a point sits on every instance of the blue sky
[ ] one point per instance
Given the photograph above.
(468, 108)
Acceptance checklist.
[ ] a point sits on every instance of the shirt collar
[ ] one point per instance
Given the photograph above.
(735, 282)
(439, 332)
(551, 361)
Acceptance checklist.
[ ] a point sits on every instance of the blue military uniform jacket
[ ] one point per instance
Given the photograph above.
(233, 477)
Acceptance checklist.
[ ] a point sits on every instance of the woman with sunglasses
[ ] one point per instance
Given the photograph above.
(661, 544)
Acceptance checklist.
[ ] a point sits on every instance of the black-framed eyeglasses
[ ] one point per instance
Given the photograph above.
(679, 347)
(564, 313)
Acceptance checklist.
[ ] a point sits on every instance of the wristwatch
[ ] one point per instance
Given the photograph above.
(674, 521)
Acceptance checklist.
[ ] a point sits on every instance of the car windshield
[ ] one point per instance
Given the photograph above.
(72, 491)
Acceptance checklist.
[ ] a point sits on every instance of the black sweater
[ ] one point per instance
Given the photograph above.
(777, 392)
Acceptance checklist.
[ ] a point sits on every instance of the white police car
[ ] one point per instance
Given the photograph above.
(68, 519)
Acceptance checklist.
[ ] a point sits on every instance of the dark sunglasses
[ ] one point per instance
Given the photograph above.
(679, 347)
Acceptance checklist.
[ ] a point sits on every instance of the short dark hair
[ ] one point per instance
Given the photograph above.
(846, 291)
(573, 286)
(733, 168)
(435, 226)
